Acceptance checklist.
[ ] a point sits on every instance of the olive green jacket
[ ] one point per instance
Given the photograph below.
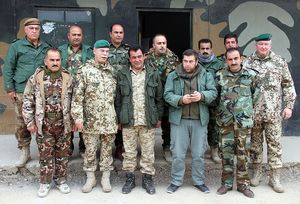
(153, 97)
(21, 61)
(87, 54)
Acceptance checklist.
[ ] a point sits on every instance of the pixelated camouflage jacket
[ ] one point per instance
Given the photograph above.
(118, 57)
(21, 61)
(33, 109)
(164, 64)
(238, 93)
(153, 97)
(276, 84)
(93, 100)
(174, 91)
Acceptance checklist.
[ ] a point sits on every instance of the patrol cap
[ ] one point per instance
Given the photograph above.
(101, 44)
(265, 36)
(32, 21)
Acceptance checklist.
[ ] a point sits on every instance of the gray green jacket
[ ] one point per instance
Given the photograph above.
(87, 54)
(238, 94)
(213, 66)
(174, 91)
(21, 61)
(153, 97)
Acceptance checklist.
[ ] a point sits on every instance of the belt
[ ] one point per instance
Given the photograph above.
(52, 115)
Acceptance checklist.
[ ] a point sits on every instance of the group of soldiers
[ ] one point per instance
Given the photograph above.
(116, 93)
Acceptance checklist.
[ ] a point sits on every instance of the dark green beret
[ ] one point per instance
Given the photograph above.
(101, 44)
(265, 36)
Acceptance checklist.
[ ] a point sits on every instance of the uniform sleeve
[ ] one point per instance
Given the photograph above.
(159, 96)
(118, 98)
(255, 89)
(210, 92)
(9, 69)
(28, 107)
(169, 93)
(77, 99)
(288, 88)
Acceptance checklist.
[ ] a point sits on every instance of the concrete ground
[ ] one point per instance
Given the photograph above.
(20, 185)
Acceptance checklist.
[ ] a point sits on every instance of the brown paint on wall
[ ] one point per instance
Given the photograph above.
(113, 3)
(21, 33)
(202, 29)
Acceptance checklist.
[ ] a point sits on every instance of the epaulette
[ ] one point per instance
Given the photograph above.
(126, 46)
(250, 68)
(48, 44)
(15, 40)
(65, 70)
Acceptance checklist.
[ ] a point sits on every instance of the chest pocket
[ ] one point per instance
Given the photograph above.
(151, 88)
(124, 87)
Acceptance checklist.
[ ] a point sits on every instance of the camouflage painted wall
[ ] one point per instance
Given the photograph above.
(211, 18)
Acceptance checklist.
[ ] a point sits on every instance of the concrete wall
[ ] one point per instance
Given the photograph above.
(211, 18)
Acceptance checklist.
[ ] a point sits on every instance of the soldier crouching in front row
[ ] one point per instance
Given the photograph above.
(46, 112)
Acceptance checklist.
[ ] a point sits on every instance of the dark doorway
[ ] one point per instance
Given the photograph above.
(174, 24)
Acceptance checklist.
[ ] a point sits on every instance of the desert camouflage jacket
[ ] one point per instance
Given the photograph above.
(93, 100)
(276, 85)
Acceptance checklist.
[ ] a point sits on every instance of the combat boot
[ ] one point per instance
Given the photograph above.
(105, 181)
(257, 174)
(274, 181)
(90, 182)
(129, 184)
(214, 154)
(147, 184)
(24, 157)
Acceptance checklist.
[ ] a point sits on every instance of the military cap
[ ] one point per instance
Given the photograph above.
(32, 21)
(101, 44)
(265, 36)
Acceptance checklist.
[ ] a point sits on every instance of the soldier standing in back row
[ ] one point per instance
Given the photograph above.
(165, 61)
(276, 86)
(118, 58)
(208, 60)
(74, 54)
(46, 112)
(238, 93)
(94, 114)
(22, 59)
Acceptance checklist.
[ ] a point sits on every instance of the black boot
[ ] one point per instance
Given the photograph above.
(148, 184)
(129, 184)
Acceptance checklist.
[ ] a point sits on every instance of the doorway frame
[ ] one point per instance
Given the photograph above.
(166, 10)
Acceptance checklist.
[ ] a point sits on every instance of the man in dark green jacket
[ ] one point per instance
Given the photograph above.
(139, 107)
(73, 55)
(22, 59)
(208, 60)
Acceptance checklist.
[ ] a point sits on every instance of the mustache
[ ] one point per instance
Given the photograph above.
(205, 53)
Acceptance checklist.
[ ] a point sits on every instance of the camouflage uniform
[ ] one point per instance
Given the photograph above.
(276, 85)
(72, 61)
(238, 93)
(164, 64)
(21, 61)
(93, 104)
(139, 106)
(47, 103)
(118, 58)
(212, 130)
